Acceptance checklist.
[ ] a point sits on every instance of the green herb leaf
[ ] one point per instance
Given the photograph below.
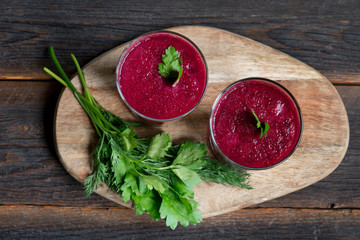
(147, 202)
(159, 145)
(129, 138)
(126, 193)
(119, 166)
(226, 174)
(179, 209)
(171, 67)
(189, 152)
(154, 182)
(264, 127)
(131, 181)
(90, 184)
(189, 177)
(168, 212)
(142, 186)
(183, 189)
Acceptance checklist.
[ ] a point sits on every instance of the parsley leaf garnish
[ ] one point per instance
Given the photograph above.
(171, 67)
(264, 127)
(157, 175)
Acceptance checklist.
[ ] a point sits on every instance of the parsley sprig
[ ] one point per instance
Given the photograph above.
(264, 127)
(171, 68)
(155, 174)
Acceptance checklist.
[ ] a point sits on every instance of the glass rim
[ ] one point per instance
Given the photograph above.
(212, 138)
(120, 62)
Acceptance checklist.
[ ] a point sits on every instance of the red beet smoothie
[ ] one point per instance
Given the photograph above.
(234, 126)
(148, 93)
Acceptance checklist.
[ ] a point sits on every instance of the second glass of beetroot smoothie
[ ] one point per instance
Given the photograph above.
(234, 135)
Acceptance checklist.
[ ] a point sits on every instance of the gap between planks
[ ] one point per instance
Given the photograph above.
(345, 80)
(122, 208)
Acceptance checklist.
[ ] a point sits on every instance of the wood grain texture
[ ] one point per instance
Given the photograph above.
(323, 34)
(31, 174)
(29, 170)
(319, 152)
(27, 222)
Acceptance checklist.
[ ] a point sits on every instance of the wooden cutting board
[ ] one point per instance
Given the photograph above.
(230, 57)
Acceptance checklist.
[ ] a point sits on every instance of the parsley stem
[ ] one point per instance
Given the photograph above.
(82, 79)
(146, 165)
(60, 69)
(86, 91)
(134, 167)
(59, 79)
(57, 64)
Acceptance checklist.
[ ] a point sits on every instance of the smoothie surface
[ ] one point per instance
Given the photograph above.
(152, 95)
(234, 126)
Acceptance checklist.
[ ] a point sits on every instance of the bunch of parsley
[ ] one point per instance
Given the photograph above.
(155, 174)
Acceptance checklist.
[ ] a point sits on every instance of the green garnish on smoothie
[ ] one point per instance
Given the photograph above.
(264, 127)
(171, 67)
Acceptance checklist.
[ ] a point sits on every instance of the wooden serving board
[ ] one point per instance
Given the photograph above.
(230, 57)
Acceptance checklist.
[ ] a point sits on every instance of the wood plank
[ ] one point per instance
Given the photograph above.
(323, 34)
(88, 223)
(30, 172)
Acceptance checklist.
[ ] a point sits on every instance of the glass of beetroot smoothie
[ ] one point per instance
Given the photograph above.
(150, 95)
(235, 136)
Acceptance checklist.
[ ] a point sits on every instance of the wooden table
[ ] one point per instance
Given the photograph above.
(40, 200)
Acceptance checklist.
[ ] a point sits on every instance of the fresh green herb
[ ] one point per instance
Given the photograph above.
(171, 67)
(155, 174)
(264, 127)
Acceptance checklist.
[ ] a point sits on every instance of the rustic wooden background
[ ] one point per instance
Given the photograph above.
(40, 200)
